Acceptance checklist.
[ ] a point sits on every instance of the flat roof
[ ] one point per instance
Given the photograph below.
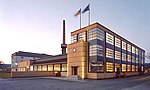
(30, 54)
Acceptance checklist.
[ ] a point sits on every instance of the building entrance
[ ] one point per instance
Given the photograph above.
(74, 70)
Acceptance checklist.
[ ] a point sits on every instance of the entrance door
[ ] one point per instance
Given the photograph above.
(74, 70)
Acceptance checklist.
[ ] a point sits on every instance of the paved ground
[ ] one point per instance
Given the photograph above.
(130, 83)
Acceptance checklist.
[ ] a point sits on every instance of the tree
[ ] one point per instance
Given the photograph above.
(1, 62)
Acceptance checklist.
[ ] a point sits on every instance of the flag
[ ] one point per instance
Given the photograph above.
(78, 13)
(86, 9)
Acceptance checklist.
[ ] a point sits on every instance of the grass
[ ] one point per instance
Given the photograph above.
(5, 75)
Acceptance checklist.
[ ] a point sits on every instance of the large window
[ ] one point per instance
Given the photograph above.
(123, 45)
(128, 67)
(137, 51)
(44, 68)
(142, 68)
(109, 38)
(109, 53)
(133, 58)
(133, 49)
(123, 67)
(96, 50)
(129, 58)
(129, 47)
(82, 36)
(123, 56)
(117, 55)
(50, 67)
(35, 68)
(73, 38)
(31, 68)
(96, 33)
(137, 60)
(117, 42)
(96, 66)
(133, 68)
(142, 57)
(57, 67)
(96, 38)
(64, 67)
(136, 68)
(109, 67)
(39, 68)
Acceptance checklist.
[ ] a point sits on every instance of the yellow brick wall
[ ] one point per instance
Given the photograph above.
(77, 58)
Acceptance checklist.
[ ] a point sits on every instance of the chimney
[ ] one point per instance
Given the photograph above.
(63, 45)
(63, 31)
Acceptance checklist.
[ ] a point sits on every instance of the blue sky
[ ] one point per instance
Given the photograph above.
(36, 25)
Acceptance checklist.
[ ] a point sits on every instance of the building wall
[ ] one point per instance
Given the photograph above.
(108, 53)
(33, 74)
(77, 57)
(16, 59)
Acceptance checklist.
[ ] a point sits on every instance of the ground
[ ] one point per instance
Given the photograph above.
(129, 83)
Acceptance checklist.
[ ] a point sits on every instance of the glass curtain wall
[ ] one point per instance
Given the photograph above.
(96, 50)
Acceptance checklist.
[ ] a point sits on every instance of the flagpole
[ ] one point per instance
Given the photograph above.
(80, 18)
(89, 14)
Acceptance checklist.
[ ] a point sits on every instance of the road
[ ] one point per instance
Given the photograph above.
(129, 83)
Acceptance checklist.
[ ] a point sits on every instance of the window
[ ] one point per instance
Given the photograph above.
(133, 67)
(109, 67)
(128, 67)
(133, 49)
(35, 68)
(64, 67)
(137, 60)
(142, 57)
(109, 38)
(44, 68)
(129, 58)
(123, 67)
(50, 67)
(142, 68)
(73, 38)
(117, 42)
(96, 33)
(40, 68)
(31, 68)
(109, 53)
(96, 50)
(137, 51)
(129, 47)
(82, 36)
(136, 68)
(123, 45)
(117, 55)
(133, 58)
(57, 67)
(96, 66)
(123, 56)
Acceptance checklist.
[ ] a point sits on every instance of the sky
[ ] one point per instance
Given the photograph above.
(36, 25)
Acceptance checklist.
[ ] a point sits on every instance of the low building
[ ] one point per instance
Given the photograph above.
(5, 67)
(24, 65)
(22, 56)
